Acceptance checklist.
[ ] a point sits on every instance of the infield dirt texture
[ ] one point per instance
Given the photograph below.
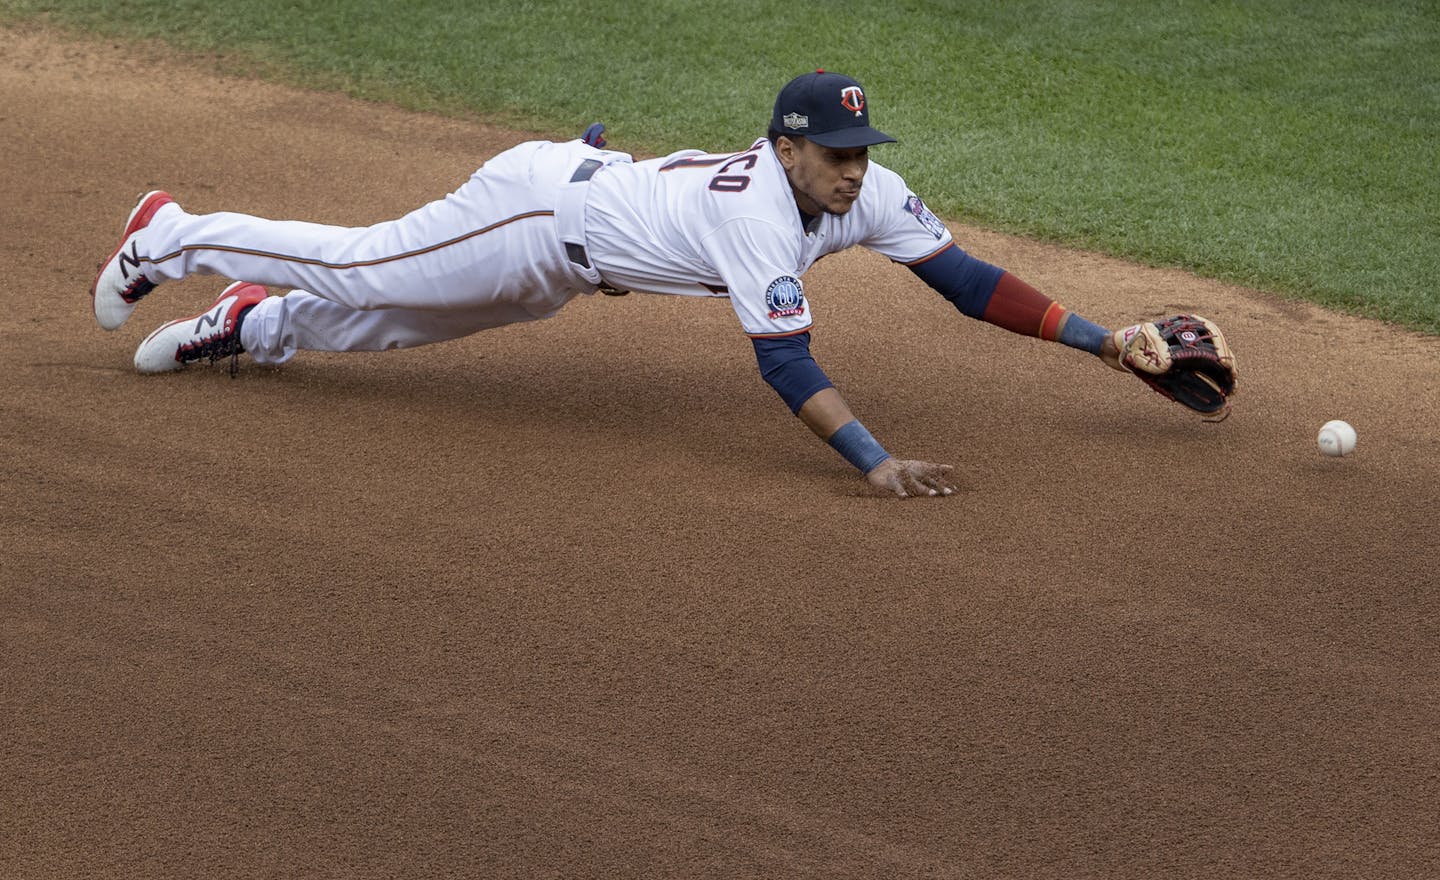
(581, 599)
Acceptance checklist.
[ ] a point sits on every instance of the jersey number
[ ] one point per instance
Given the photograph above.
(721, 182)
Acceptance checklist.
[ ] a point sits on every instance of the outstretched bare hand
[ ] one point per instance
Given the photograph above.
(912, 478)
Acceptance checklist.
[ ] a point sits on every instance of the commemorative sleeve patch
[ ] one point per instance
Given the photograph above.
(784, 298)
(932, 224)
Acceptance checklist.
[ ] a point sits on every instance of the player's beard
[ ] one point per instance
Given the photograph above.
(845, 199)
(835, 203)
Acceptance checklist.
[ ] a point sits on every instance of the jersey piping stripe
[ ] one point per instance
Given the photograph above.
(806, 329)
(305, 261)
(930, 256)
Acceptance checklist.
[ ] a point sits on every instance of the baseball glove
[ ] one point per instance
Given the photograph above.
(1185, 358)
(595, 135)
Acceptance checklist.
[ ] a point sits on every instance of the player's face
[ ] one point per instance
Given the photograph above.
(825, 179)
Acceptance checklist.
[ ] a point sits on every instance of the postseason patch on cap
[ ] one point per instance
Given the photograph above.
(932, 223)
(783, 298)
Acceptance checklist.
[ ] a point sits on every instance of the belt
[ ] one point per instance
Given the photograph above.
(572, 200)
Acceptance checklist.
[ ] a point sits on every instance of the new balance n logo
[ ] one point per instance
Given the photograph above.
(131, 259)
(211, 317)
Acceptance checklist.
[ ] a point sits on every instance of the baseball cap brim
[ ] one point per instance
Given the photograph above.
(845, 138)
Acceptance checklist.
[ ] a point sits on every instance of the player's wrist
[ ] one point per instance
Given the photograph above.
(1110, 353)
(1077, 332)
(856, 445)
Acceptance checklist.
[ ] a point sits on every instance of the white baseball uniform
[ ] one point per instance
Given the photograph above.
(531, 229)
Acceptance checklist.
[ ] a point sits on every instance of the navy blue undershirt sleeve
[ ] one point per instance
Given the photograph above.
(964, 280)
(786, 364)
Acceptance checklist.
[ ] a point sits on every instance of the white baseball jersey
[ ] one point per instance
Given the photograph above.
(698, 224)
(501, 248)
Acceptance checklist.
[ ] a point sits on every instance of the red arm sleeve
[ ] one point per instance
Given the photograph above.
(1020, 308)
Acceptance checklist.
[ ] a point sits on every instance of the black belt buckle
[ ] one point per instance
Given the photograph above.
(586, 170)
(577, 254)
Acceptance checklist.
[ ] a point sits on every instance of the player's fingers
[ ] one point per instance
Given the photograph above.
(934, 478)
(939, 474)
(945, 480)
(908, 479)
(941, 486)
(897, 484)
(916, 480)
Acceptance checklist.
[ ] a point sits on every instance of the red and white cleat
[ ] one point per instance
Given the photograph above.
(120, 284)
(210, 335)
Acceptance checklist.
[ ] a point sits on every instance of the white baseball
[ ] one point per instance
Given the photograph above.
(1336, 438)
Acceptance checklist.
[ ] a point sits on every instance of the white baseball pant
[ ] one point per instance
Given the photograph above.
(486, 255)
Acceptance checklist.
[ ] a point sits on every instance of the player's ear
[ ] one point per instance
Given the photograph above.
(787, 149)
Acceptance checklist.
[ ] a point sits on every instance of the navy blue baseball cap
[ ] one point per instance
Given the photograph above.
(827, 108)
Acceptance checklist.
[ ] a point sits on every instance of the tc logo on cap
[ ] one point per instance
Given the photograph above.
(829, 109)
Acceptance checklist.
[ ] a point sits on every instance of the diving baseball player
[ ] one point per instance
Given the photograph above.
(544, 222)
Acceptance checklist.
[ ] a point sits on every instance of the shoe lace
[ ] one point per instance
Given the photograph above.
(214, 348)
(221, 345)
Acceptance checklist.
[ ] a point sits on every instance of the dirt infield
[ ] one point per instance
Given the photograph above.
(581, 599)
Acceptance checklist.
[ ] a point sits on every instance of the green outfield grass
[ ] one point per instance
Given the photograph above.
(1292, 145)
